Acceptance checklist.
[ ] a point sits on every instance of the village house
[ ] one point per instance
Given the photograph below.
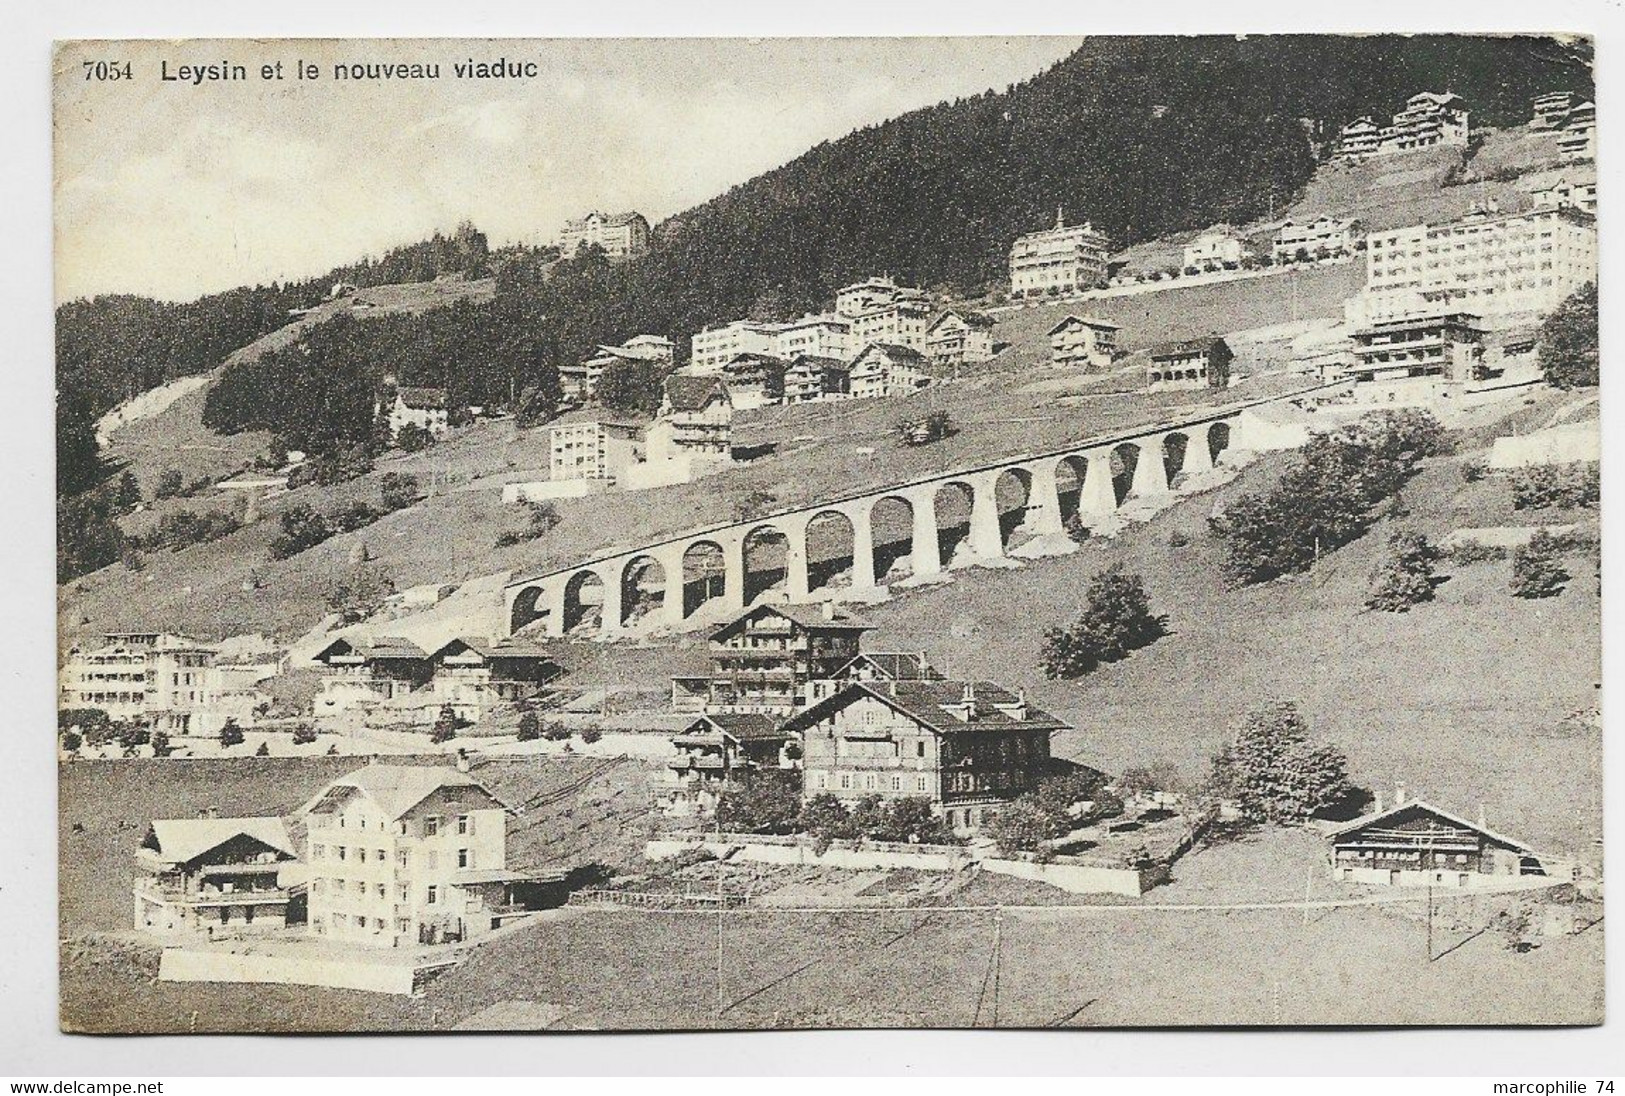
(1490, 263)
(811, 378)
(1219, 248)
(885, 369)
(722, 750)
(874, 666)
(900, 321)
(1566, 195)
(1446, 347)
(359, 673)
(765, 660)
(169, 682)
(959, 338)
(1359, 139)
(755, 380)
(1428, 119)
(967, 746)
(860, 297)
(1322, 237)
(215, 875)
(621, 235)
(695, 424)
(1417, 844)
(477, 676)
(594, 450)
(1083, 343)
(472, 674)
(404, 855)
(427, 409)
(1058, 261)
(1190, 363)
(580, 380)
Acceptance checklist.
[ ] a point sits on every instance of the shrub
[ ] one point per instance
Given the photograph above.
(398, 490)
(160, 744)
(303, 735)
(530, 727)
(184, 528)
(1405, 580)
(1567, 348)
(302, 528)
(1537, 571)
(412, 438)
(1047, 812)
(230, 733)
(555, 732)
(1468, 552)
(170, 484)
(1160, 776)
(589, 735)
(1273, 773)
(445, 725)
(1116, 621)
(1566, 486)
(1474, 470)
(356, 592)
(768, 804)
(542, 518)
(71, 741)
(264, 750)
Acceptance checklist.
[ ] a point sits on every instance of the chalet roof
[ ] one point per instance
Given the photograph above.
(969, 319)
(1415, 805)
(1181, 347)
(380, 647)
(614, 220)
(396, 788)
(178, 840)
(806, 616)
(751, 359)
(1087, 321)
(423, 398)
(685, 392)
(820, 362)
(487, 649)
(932, 704)
(742, 726)
(895, 665)
(906, 355)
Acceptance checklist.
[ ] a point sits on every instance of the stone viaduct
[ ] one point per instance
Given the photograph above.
(972, 516)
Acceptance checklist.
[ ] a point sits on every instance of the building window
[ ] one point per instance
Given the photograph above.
(464, 824)
(400, 859)
(464, 860)
(434, 895)
(921, 784)
(341, 851)
(431, 825)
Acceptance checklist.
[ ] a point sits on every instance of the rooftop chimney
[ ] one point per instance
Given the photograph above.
(1399, 794)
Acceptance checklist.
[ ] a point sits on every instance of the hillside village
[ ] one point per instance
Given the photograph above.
(922, 599)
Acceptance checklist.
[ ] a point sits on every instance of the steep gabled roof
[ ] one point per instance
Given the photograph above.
(1412, 805)
(895, 665)
(807, 616)
(686, 392)
(741, 726)
(396, 788)
(932, 704)
(487, 649)
(902, 355)
(179, 840)
(1180, 347)
(969, 319)
(1087, 321)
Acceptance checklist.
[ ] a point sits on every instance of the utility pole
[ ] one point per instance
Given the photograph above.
(1430, 923)
(998, 938)
(720, 1002)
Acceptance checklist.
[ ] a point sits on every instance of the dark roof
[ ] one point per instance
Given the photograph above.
(807, 616)
(1181, 347)
(743, 726)
(690, 393)
(394, 647)
(931, 704)
(970, 319)
(1087, 321)
(818, 361)
(614, 219)
(423, 398)
(1416, 806)
(897, 352)
(397, 788)
(504, 649)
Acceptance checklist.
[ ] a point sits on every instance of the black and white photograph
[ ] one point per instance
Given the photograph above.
(651, 534)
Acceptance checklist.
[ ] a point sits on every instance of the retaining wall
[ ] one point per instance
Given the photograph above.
(184, 965)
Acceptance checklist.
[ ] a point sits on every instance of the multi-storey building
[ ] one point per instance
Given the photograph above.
(900, 322)
(1444, 347)
(825, 335)
(811, 378)
(169, 682)
(594, 450)
(755, 380)
(967, 746)
(766, 660)
(1081, 342)
(1058, 261)
(1552, 108)
(402, 855)
(860, 297)
(214, 875)
(1489, 263)
(1189, 363)
(1416, 844)
(959, 338)
(883, 369)
(713, 348)
(620, 234)
(471, 674)
(580, 380)
(1578, 138)
(1566, 195)
(1428, 119)
(695, 422)
(1321, 237)
(1219, 248)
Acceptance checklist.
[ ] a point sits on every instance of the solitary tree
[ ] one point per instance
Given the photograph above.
(530, 727)
(230, 733)
(1273, 773)
(1117, 620)
(1568, 341)
(445, 725)
(1537, 569)
(1405, 579)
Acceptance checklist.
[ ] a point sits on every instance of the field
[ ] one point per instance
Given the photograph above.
(1057, 966)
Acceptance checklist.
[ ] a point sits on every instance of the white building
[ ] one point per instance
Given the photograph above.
(620, 234)
(1084, 343)
(959, 338)
(714, 348)
(428, 409)
(884, 369)
(1488, 263)
(1566, 195)
(403, 855)
(1428, 119)
(1217, 249)
(1058, 261)
(900, 322)
(169, 682)
(1578, 139)
(1323, 236)
(823, 335)
(593, 450)
(580, 380)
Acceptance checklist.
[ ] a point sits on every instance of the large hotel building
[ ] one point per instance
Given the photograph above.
(1059, 261)
(1488, 263)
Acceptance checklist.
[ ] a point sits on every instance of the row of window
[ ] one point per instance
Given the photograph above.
(339, 889)
(869, 782)
(431, 858)
(464, 824)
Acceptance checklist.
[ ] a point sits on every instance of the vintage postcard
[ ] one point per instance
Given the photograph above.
(1027, 532)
